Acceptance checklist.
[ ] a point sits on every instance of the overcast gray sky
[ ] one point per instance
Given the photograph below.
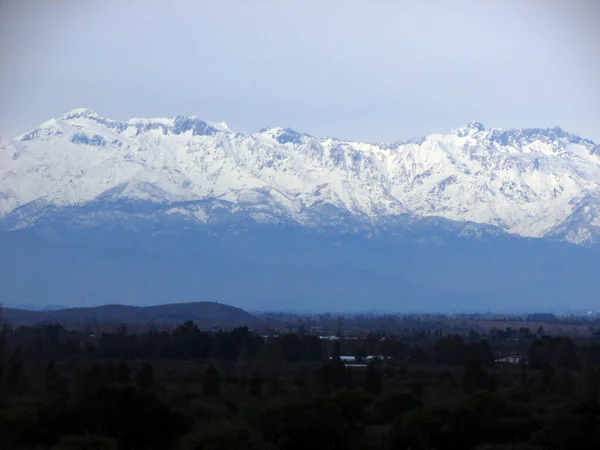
(365, 70)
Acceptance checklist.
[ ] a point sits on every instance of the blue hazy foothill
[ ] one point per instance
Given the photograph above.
(420, 265)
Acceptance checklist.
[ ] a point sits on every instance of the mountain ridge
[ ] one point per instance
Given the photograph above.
(530, 182)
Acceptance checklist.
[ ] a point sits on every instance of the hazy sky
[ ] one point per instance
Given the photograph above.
(365, 70)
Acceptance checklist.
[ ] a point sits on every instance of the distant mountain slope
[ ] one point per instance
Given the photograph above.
(283, 269)
(202, 313)
(90, 169)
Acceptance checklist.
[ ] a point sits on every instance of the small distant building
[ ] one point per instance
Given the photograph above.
(512, 359)
(349, 359)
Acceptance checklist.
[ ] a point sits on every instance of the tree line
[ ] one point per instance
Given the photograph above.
(190, 388)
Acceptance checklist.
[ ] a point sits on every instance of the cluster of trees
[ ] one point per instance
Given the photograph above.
(233, 389)
(187, 341)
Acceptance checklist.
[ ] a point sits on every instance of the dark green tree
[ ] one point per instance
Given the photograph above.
(523, 375)
(547, 373)
(475, 376)
(337, 352)
(144, 377)
(301, 376)
(13, 377)
(54, 384)
(352, 404)
(211, 382)
(373, 379)
(273, 382)
(256, 383)
(397, 403)
(135, 418)
(86, 442)
(418, 429)
(333, 374)
(565, 383)
(222, 436)
(121, 372)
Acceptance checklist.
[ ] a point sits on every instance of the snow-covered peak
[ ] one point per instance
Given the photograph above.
(284, 135)
(167, 121)
(84, 124)
(220, 126)
(80, 112)
(470, 129)
(183, 124)
(533, 182)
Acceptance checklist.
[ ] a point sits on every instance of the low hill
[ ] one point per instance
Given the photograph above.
(202, 313)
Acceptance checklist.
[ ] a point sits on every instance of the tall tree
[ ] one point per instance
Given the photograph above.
(373, 379)
(211, 382)
(144, 377)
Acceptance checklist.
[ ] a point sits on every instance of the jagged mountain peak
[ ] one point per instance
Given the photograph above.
(284, 135)
(82, 121)
(80, 112)
(470, 129)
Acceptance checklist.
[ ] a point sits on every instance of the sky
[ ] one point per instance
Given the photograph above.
(363, 70)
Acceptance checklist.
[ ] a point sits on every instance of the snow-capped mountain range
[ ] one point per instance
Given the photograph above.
(529, 182)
